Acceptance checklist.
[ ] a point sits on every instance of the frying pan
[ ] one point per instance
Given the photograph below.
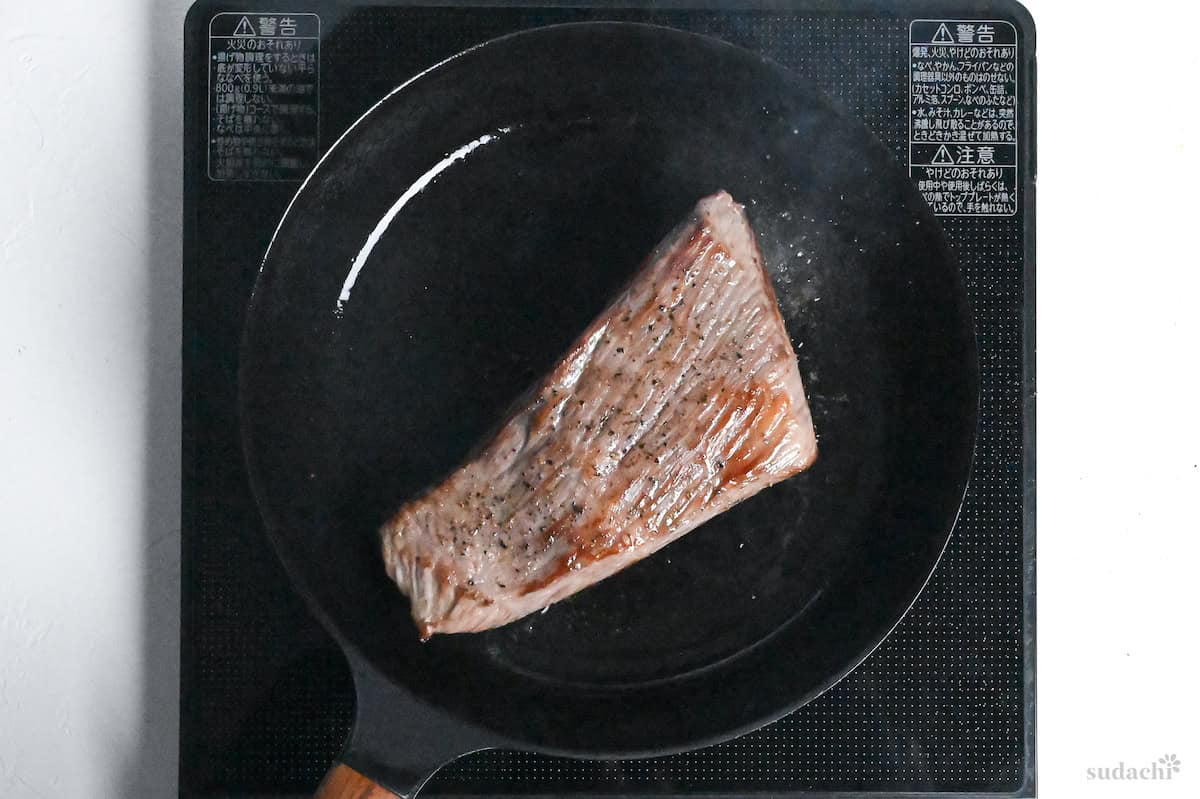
(445, 252)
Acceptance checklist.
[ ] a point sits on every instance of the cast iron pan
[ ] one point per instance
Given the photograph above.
(443, 255)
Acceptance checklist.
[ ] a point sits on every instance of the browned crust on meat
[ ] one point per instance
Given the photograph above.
(597, 468)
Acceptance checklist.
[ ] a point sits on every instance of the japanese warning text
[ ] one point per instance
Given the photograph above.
(263, 95)
(962, 142)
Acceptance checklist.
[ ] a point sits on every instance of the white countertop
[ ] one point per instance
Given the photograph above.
(90, 209)
(90, 125)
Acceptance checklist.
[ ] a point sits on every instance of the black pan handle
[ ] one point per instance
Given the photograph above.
(397, 743)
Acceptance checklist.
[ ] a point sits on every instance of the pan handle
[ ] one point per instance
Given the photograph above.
(343, 782)
(397, 742)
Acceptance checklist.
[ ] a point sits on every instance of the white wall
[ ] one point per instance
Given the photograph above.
(1118, 393)
(90, 124)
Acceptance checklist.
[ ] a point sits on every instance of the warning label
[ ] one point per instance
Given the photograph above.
(263, 95)
(962, 135)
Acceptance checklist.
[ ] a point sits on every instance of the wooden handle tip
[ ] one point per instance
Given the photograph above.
(343, 782)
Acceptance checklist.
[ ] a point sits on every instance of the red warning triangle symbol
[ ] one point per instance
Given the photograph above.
(942, 36)
(244, 28)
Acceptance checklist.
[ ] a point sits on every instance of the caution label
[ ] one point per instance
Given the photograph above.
(963, 131)
(264, 78)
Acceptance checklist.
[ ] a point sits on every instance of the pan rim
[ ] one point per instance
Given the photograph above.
(962, 314)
